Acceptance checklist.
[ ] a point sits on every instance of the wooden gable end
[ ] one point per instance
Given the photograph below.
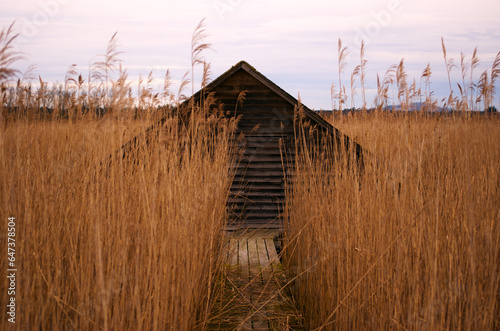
(265, 141)
(263, 145)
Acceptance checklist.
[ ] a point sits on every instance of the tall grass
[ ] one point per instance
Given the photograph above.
(134, 246)
(405, 94)
(419, 252)
(133, 241)
(130, 241)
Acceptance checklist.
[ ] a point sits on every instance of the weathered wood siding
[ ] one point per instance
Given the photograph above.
(265, 141)
(266, 133)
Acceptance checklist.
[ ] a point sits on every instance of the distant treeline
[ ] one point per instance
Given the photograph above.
(443, 112)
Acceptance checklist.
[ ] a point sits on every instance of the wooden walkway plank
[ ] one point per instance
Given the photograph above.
(243, 259)
(253, 258)
(264, 262)
(259, 314)
(256, 298)
(271, 251)
(233, 252)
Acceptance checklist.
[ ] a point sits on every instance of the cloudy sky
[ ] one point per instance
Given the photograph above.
(293, 43)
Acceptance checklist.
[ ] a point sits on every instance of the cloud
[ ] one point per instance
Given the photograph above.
(293, 42)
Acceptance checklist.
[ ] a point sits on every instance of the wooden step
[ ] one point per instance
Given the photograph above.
(256, 186)
(260, 179)
(278, 194)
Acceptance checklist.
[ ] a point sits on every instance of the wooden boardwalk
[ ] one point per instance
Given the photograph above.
(255, 294)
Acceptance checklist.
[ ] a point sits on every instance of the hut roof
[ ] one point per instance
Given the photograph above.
(243, 65)
(258, 189)
(267, 124)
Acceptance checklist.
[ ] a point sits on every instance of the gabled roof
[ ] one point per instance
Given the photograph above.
(243, 65)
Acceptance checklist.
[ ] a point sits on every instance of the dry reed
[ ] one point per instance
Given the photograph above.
(137, 245)
(424, 254)
(133, 247)
(129, 244)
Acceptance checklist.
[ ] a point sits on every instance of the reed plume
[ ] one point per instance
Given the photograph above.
(355, 73)
(402, 85)
(474, 63)
(102, 70)
(343, 51)
(465, 67)
(449, 63)
(8, 54)
(495, 74)
(426, 75)
(362, 73)
(333, 96)
(198, 46)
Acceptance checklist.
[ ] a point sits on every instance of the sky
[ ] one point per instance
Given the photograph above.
(293, 43)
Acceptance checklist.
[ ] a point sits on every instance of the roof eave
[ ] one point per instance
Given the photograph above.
(243, 65)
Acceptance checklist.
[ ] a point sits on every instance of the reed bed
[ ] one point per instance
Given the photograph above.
(131, 238)
(129, 245)
(412, 242)
(108, 237)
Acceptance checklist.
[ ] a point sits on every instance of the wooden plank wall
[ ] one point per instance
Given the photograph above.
(258, 191)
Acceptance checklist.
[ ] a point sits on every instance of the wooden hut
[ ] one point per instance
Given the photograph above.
(266, 154)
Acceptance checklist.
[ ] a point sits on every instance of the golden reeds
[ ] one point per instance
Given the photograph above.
(134, 243)
(138, 245)
(371, 254)
(343, 51)
(8, 54)
(362, 73)
(134, 247)
(473, 95)
(449, 64)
